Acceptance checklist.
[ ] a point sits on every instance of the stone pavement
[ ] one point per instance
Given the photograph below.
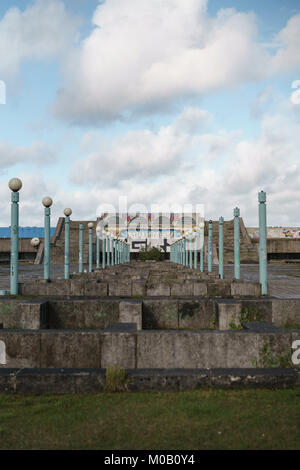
(284, 278)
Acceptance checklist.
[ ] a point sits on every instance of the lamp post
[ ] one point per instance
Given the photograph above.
(15, 184)
(47, 202)
(202, 248)
(67, 213)
(263, 275)
(221, 248)
(81, 240)
(97, 251)
(236, 214)
(210, 246)
(103, 251)
(90, 226)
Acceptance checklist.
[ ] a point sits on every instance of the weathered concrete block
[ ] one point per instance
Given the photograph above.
(200, 289)
(119, 289)
(159, 289)
(274, 349)
(228, 313)
(138, 288)
(182, 289)
(218, 288)
(118, 349)
(22, 349)
(245, 288)
(196, 315)
(71, 349)
(131, 312)
(33, 315)
(286, 312)
(160, 314)
(82, 314)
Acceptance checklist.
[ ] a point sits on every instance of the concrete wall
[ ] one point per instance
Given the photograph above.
(145, 349)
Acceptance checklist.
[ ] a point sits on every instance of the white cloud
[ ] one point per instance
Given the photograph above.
(42, 31)
(268, 161)
(140, 153)
(143, 55)
(37, 153)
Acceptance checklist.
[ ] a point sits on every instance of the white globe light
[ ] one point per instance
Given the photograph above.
(67, 212)
(35, 242)
(90, 225)
(47, 201)
(15, 184)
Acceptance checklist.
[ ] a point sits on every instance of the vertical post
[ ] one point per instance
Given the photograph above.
(236, 214)
(103, 251)
(263, 275)
(15, 184)
(191, 253)
(210, 246)
(196, 250)
(81, 239)
(202, 249)
(90, 226)
(97, 252)
(67, 213)
(112, 251)
(221, 248)
(47, 202)
(108, 250)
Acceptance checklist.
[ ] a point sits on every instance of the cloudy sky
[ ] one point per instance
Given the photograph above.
(161, 101)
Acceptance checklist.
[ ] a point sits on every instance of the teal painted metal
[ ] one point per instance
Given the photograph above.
(90, 250)
(195, 250)
(210, 246)
(191, 252)
(97, 252)
(263, 262)
(67, 247)
(237, 269)
(116, 244)
(81, 239)
(221, 247)
(47, 213)
(103, 252)
(112, 252)
(108, 251)
(14, 243)
(202, 249)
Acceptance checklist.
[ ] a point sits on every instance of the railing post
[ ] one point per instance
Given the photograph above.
(221, 248)
(81, 241)
(15, 184)
(67, 213)
(90, 226)
(97, 252)
(210, 246)
(263, 262)
(47, 202)
(236, 214)
(202, 249)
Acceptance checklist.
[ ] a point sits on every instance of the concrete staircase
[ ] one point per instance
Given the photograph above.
(248, 249)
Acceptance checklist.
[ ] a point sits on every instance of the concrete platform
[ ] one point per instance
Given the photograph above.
(60, 381)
